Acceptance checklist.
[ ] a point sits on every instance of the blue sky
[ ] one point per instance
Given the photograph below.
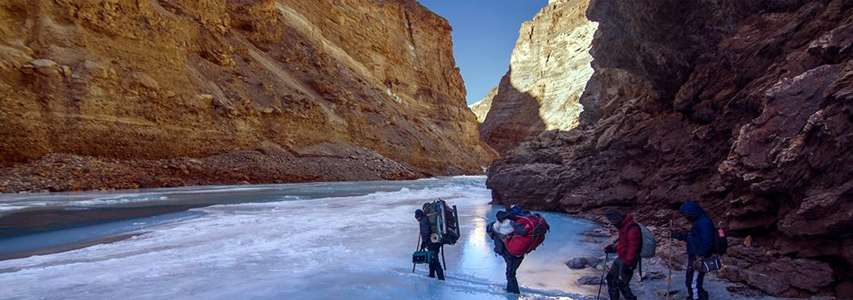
(484, 33)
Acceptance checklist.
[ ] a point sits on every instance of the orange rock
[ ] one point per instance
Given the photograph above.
(310, 71)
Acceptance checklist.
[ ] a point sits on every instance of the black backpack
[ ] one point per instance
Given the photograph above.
(444, 220)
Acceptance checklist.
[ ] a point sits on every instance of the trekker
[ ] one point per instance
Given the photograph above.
(426, 243)
(700, 243)
(627, 249)
(503, 228)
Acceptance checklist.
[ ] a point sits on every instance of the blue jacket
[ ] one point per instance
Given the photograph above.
(700, 239)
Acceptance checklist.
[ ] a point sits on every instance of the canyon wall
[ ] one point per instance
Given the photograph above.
(131, 93)
(745, 106)
(481, 108)
(549, 68)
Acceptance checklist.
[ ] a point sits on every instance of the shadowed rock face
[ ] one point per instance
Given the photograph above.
(228, 91)
(549, 68)
(745, 106)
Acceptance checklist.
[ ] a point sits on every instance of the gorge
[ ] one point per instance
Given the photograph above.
(549, 68)
(744, 106)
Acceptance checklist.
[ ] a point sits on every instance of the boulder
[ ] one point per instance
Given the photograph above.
(577, 263)
(589, 280)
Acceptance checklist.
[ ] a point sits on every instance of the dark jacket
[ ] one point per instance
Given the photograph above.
(630, 241)
(700, 239)
(426, 231)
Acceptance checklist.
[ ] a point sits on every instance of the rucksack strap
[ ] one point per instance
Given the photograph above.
(639, 227)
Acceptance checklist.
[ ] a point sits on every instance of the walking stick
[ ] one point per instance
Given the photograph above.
(669, 266)
(601, 281)
(443, 261)
(416, 249)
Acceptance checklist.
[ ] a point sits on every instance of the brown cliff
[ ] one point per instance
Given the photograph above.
(549, 68)
(746, 106)
(126, 93)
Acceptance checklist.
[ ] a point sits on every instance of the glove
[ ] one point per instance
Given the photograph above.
(610, 248)
(680, 235)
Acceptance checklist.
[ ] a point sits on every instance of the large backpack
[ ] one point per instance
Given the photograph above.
(536, 227)
(650, 245)
(444, 220)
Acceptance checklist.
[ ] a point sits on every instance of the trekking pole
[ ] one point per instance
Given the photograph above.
(640, 267)
(601, 281)
(416, 249)
(443, 261)
(669, 266)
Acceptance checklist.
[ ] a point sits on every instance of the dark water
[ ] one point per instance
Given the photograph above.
(49, 222)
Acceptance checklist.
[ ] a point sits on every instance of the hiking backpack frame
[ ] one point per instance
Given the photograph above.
(444, 221)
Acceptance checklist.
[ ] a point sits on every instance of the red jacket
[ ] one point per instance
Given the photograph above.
(630, 241)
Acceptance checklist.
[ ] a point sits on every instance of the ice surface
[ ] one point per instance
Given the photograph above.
(355, 244)
(207, 195)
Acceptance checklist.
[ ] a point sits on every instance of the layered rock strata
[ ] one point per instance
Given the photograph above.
(113, 92)
(745, 106)
(548, 71)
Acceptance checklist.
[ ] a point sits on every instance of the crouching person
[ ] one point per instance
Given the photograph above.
(627, 249)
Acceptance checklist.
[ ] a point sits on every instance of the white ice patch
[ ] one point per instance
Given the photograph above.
(330, 248)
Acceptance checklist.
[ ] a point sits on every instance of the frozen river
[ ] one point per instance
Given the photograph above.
(292, 241)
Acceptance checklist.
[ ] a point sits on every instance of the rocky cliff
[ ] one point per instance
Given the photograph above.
(548, 71)
(128, 93)
(481, 108)
(745, 106)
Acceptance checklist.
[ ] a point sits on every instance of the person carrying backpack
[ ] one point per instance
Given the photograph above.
(426, 243)
(627, 249)
(700, 244)
(500, 231)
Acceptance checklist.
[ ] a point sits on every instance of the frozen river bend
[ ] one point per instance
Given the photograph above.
(294, 241)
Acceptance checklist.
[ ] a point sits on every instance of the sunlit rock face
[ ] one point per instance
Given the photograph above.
(549, 69)
(481, 108)
(744, 106)
(123, 93)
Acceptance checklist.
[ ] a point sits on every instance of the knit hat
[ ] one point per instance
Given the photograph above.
(614, 216)
(419, 214)
(501, 215)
